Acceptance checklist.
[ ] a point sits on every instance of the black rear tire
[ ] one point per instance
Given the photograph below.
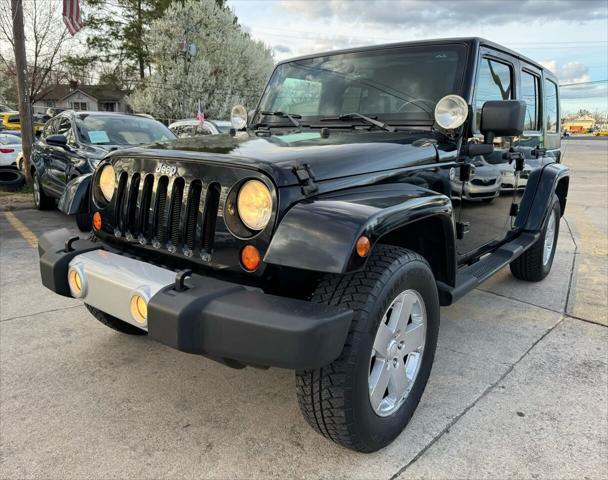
(11, 179)
(530, 266)
(41, 199)
(114, 323)
(334, 399)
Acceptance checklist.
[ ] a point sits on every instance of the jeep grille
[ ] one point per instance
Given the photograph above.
(167, 212)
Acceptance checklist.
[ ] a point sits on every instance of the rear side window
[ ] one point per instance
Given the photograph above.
(493, 83)
(551, 107)
(529, 94)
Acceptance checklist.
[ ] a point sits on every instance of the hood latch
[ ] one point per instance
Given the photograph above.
(305, 177)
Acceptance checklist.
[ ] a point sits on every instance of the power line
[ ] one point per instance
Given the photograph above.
(583, 83)
(307, 35)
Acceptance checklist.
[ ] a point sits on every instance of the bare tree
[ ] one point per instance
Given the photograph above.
(46, 42)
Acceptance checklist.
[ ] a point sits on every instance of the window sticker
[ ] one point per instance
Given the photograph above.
(98, 136)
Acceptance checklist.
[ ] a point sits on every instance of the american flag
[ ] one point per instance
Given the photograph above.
(200, 115)
(71, 16)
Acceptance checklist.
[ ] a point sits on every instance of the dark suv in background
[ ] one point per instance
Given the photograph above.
(73, 143)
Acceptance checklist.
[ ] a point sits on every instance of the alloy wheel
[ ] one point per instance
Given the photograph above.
(397, 353)
(549, 239)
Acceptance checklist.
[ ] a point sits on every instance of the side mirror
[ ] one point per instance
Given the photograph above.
(502, 118)
(58, 140)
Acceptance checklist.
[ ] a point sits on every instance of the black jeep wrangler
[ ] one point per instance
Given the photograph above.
(368, 188)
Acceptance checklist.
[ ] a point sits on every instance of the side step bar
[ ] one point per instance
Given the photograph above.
(472, 276)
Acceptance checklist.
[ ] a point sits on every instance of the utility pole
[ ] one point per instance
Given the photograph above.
(25, 108)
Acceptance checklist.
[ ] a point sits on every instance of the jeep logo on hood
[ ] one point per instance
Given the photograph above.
(164, 169)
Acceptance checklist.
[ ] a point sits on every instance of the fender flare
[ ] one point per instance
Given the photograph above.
(75, 197)
(542, 185)
(320, 233)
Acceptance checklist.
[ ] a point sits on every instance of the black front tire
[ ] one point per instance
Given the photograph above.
(114, 323)
(334, 399)
(530, 266)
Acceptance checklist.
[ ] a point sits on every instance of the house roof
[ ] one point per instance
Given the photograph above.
(102, 93)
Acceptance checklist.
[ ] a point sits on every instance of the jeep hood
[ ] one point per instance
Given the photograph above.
(340, 155)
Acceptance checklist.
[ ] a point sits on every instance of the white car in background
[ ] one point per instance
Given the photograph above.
(191, 127)
(10, 147)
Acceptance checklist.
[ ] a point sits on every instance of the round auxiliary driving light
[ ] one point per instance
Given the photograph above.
(238, 117)
(139, 308)
(107, 182)
(75, 282)
(254, 204)
(451, 112)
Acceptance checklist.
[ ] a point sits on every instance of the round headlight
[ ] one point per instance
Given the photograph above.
(451, 112)
(254, 204)
(238, 117)
(107, 182)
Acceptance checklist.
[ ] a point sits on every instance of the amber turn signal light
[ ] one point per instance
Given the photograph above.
(363, 246)
(97, 221)
(250, 258)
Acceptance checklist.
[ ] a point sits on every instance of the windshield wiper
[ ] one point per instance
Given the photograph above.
(291, 116)
(368, 120)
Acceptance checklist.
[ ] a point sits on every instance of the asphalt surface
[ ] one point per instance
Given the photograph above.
(518, 389)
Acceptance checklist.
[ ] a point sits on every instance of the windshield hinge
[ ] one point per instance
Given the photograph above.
(305, 178)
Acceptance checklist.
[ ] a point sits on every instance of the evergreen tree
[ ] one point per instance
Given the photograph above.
(228, 66)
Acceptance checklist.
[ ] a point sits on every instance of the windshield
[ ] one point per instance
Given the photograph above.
(120, 130)
(400, 84)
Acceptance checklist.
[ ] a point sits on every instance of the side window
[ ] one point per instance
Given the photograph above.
(551, 107)
(494, 83)
(529, 94)
(202, 129)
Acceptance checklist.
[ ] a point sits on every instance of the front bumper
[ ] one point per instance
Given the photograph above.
(211, 317)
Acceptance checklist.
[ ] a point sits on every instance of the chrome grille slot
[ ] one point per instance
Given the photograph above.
(131, 205)
(212, 201)
(160, 211)
(120, 200)
(144, 206)
(175, 212)
(192, 213)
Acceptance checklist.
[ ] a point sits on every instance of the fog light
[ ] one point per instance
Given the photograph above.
(75, 283)
(139, 308)
(250, 258)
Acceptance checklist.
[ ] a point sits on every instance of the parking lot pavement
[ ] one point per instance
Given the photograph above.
(518, 388)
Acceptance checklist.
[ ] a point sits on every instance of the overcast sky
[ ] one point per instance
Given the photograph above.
(568, 36)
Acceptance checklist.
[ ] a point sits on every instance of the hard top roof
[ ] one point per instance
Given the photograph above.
(472, 41)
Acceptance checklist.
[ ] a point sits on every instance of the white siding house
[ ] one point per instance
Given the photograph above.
(82, 97)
